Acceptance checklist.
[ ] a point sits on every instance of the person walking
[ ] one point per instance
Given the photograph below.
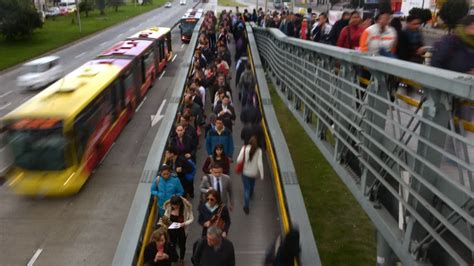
(251, 158)
(220, 135)
(180, 211)
(350, 35)
(159, 252)
(165, 186)
(455, 52)
(219, 157)
(220, 183)
(380, 38)
(212, 210)
(181, 168)
(214, 250)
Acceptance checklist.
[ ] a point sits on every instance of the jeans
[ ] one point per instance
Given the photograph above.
(249, 184)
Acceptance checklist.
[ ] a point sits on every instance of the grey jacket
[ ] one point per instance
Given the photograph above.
(226, 187)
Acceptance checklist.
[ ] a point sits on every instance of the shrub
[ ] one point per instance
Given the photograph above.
(18, 19)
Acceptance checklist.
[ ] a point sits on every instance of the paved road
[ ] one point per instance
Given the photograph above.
(79, 53)
(84, 229)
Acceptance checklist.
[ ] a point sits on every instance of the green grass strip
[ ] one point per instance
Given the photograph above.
(343, 232)
(63, 30)
(229, 3)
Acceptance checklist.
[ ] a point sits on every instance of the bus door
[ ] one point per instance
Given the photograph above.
(148, 68)
(169, 48)
(162, 52)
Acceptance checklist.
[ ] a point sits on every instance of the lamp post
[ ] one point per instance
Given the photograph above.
(78, 16)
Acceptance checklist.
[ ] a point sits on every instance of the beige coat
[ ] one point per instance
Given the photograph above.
(187, 212)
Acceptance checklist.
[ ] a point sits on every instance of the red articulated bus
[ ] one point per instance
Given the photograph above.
(145, 60)
(161, 38)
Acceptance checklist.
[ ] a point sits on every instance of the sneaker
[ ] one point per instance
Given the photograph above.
(246, 210)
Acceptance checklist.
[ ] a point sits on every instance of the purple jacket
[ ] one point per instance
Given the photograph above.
(453, 54)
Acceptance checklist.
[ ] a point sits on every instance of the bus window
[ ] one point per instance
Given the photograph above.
(41, 149)
(128, 85)
(162, 49)
(149, 60)
(86, 123)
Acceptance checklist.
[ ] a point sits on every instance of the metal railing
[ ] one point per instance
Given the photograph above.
(409, 167)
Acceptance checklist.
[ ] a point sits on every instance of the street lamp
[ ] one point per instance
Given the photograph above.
(78, 16)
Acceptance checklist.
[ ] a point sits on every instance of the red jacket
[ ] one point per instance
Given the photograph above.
(355, 33)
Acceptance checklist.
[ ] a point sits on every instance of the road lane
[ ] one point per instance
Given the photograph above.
(77, 54)
(84, 229)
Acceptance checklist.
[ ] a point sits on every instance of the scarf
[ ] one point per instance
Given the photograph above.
(211, 209)
(467, 39)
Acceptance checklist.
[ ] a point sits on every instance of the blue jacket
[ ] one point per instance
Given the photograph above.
(167, 188)
(213, 138)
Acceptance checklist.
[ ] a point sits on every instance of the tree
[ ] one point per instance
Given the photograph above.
(423, 14)
(452, 11)
(18, 19)
(116, 4)
(86, 6)
(101, 6)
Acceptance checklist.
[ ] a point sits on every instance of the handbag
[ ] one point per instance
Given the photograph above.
(239, 168)
(216, 220)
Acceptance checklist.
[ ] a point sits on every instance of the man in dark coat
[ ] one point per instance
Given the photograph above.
(338, 26)
(214, 250)
(226, 112)
(180, 167)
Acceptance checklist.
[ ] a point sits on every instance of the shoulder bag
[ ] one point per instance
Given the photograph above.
(239, 168)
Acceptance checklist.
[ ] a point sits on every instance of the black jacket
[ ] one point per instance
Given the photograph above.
(187, 145)
(207, 256)
(205, 215)
(150, 253)
(227, 118)
(180, 162)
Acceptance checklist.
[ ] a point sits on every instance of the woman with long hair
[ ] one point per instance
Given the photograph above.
(219, 157)
(159, 251)
(209, 212)
(251, 156)
(179, 211)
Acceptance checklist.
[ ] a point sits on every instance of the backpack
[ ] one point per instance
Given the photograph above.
(190, 176)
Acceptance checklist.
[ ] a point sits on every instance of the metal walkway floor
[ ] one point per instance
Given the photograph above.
(251, 234)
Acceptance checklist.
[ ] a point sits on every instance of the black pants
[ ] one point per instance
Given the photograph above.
(188, 186)
(178, 239)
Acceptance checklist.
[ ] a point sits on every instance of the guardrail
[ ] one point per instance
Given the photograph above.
(290, 199)
(408, 167)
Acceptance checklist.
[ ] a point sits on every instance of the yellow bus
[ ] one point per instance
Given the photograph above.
(60, 135)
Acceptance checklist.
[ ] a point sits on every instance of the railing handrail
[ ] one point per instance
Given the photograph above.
(458, 84)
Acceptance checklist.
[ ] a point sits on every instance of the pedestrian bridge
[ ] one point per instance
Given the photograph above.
(403, 151)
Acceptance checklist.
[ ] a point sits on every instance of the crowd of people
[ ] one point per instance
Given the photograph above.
(381, 35)
(209, 108)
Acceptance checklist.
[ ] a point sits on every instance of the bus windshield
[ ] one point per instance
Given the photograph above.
(187, 27)
(38, 149)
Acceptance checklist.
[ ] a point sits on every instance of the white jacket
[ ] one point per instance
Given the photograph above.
(187, 212)
(372, 39)
(254, 167)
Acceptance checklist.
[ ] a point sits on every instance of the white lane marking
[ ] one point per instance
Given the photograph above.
(5, 94)
(140, 105)
(79, 55)
(35, 257)
(156, 118)
(174, 57)
(162, 74)
(5, 106)
(182, 45)
(102, 44)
